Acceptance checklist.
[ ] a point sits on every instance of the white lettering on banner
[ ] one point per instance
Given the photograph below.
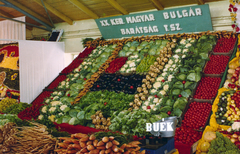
(162, 126)
(159, 126)
(173, 15)
(155, 127)
(191, 13)
(198, 11)
(117, 21)
(169, 126)
(179, 15)
(183, 13)
(173, 27)
(139, 30)
(165, 15)
(104, 23)
(148, 127)
(140, 18)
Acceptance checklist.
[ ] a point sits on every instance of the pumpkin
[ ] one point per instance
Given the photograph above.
(209, 136)
(205, 146)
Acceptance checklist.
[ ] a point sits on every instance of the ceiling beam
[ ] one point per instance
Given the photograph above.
(56, 12)
(200, 2)
(84, 8)
(26, 11)
(157, 4)
(50, 30)
(5, 14)
(117, 6)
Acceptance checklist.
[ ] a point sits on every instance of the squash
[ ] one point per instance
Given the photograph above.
(205, 146)
(233, 66)
(209, 136)
(203, 153)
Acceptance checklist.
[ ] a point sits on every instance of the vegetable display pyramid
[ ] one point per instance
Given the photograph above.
(121, 85)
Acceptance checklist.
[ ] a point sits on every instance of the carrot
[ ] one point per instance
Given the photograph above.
(63, 145)
(84, 139)
(133, 152)
(72, 151)
(127, 152)
(108, 150)
(143, 152)
(135, 142)
(90, 147)
(82, 144)
(80, 135)
(84, 150)
(120, 150)
(92, 137)
(115, 142)
(105, 139)
(101, 143)
(70, 140)
(76, 146)
(123, 146)
(95, 142)
(95, 151)
(111, 138)
(101, 147)
(115, 148)
(102, 152)
(109, 145)
(89, 142)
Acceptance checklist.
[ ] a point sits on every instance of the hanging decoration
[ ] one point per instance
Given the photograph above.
(9, 71)
(233, 13)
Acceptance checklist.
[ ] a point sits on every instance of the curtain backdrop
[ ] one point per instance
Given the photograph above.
(12, 30)
(40, 62)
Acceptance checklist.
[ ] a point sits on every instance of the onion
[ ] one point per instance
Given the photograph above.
(235, 74)
(232, 140)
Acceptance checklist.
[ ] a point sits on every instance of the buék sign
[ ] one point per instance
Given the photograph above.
(180, 20)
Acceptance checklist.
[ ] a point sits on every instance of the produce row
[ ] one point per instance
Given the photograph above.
(119, 82)
(222, 136)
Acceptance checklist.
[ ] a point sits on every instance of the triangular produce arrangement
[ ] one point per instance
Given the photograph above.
(120, 85)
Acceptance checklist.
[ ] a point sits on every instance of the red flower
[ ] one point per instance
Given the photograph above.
(238, 46)
(235, 9)
(231, 6)
(230, 9)
(233, 25)
(148, 107)
(163, 80)
(237, 29)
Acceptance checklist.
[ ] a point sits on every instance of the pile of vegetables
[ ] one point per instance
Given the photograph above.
(133, 122)
(232, 80)
(118, 83)
(197, 115)
(26, 139)
(6, 118)
(207, 88)
(186, 135)
(217, 64)
(131, 64)
(116, 64)
(225, 44)
(145, 64)
(16, 108)
(228, 108)
(7, 102)
(97, 143)
(219, 144)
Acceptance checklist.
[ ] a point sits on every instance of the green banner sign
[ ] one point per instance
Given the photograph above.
(170, 21)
